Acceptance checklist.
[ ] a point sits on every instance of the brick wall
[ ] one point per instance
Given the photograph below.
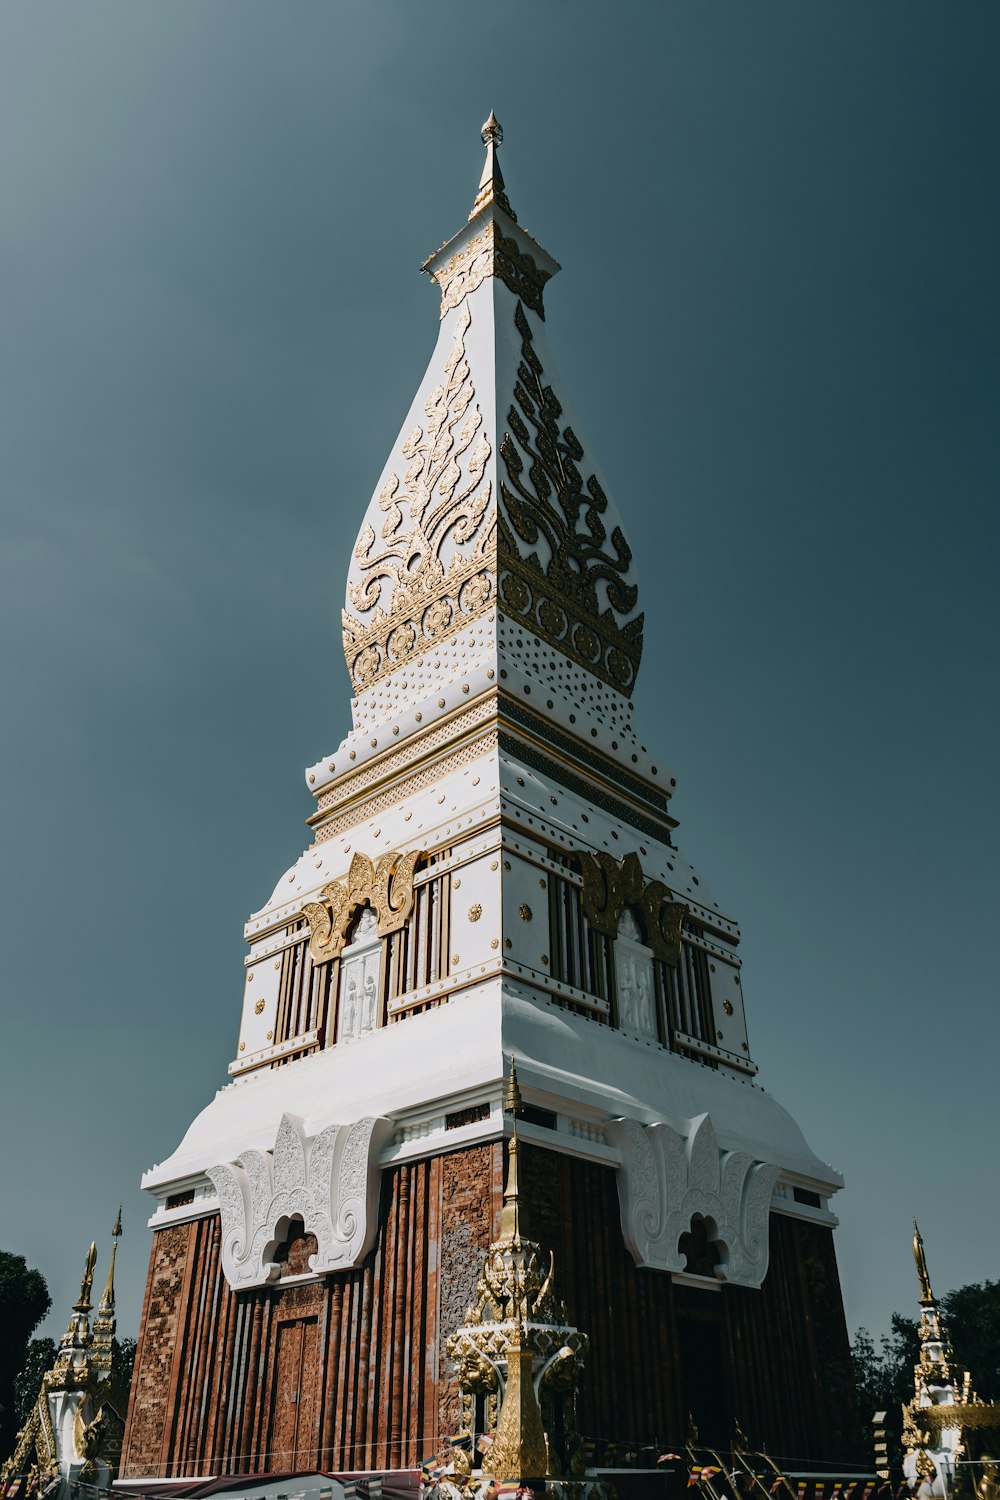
(350, 1372)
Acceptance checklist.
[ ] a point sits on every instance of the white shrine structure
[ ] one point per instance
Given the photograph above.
(73, 1433)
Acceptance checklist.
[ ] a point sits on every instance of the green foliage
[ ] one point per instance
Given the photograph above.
(122, 1365)
(24, 1301)
(40, 1357)
(973, 1317)
(884, 1375)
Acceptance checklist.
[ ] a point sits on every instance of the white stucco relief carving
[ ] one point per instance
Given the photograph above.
(330, 1182)
(664, 1180)
(634, 971)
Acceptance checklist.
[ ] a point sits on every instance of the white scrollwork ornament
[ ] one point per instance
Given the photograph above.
(666, 1178)
(330, 1182)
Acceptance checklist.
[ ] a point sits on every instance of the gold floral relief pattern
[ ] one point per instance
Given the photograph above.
(545, 499)
(437, 501)
(491, 253)
(385, 884)
(610, 885)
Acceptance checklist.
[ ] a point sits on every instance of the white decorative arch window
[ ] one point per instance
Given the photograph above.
(634, 977)
(359, 989)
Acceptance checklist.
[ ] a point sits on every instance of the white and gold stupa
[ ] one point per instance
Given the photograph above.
(492, 874)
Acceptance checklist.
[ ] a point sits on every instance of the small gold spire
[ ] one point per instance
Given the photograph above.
(491, 184)
(512, 1101)
(927, 1297)
(510, 1219)
(118, 1224)
(84, 1304)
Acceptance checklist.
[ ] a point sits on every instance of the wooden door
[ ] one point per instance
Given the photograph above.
(295, 1397)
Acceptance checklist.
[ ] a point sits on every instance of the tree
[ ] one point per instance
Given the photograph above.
(884, 1376)
(122, 1365)
(40, 1356)
(24, 1301)
(972, 1314)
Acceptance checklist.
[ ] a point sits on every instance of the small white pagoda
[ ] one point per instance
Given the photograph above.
(73, 1433)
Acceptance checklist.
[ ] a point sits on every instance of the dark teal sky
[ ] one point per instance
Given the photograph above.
(778, 319)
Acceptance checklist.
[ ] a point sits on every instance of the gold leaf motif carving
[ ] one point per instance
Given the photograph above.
(491, 253)
(610, 885)
(547, 502)
(386, 885)
(444, 497)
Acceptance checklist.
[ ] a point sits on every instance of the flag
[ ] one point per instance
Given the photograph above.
(462, 1440)
(802, 1489)
(436, 1466)
(484, 1442)
(776, 1486)
(665, 1458)
(694, 1477)
(868, 1492)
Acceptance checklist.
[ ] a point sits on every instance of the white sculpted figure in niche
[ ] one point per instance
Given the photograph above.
(634, 968)
(360, 967)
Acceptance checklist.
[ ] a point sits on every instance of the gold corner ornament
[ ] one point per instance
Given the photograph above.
(519, 1449)
(610, 885)
(385, 884)
(516, 1348)
(546, 499)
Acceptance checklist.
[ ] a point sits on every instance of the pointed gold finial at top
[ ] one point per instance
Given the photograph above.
(926, 1294)
(108, 1299)
(83, 1305)
(491, 184)
(492, 130)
